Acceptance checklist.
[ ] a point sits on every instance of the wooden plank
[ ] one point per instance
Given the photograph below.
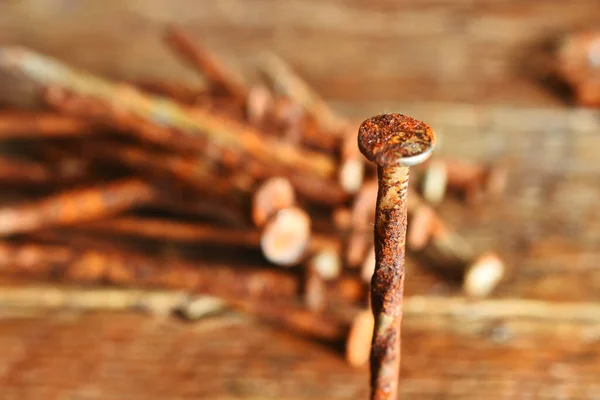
(145, 358)
(357, 50)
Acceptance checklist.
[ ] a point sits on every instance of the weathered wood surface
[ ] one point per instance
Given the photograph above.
(351, 50)
(121, 355)
(368, 57)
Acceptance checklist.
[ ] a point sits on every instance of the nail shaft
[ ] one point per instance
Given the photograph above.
(24, 124)
(129, 268)
(74, 206)
(393, 142)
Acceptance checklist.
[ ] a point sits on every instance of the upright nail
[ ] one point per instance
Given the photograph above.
(394, 142)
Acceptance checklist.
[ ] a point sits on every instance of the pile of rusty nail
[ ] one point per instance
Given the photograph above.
(258, 195)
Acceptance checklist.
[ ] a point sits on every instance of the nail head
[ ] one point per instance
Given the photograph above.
(394, 140)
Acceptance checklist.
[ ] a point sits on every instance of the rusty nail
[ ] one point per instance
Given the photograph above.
(286, 236)
(483, 275)
(394, 142)
(272, 195)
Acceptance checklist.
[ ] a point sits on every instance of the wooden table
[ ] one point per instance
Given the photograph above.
(465, 68)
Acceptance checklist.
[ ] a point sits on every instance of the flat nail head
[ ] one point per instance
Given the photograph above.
(395, 140)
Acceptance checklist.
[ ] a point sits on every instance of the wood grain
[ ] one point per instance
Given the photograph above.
(140, 357)
(466, 67)
(357, 50)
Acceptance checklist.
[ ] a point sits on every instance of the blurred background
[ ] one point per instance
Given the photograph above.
(185, 214)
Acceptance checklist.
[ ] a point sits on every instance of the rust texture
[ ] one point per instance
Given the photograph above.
(392, 141)
(387, 283)
(184, 94)
(129, 268)
(190, 168)
(192, 171)
(75, 205)
(224, 132)
(19, 171)
(164, 229)
(159, 229)
(94, 261)
(21, 124)
(86, 106)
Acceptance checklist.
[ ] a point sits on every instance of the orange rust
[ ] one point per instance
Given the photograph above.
(271, 196)
(20, 171)
(195, 172)
(82, 106)
(64, 165)
(394, 142)
(175, 90)
(387, 284)
(308, 185)
(74, 206)
(389, 139)
(87, 264)
(164, 229)
(187, 130)
(27, 124)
